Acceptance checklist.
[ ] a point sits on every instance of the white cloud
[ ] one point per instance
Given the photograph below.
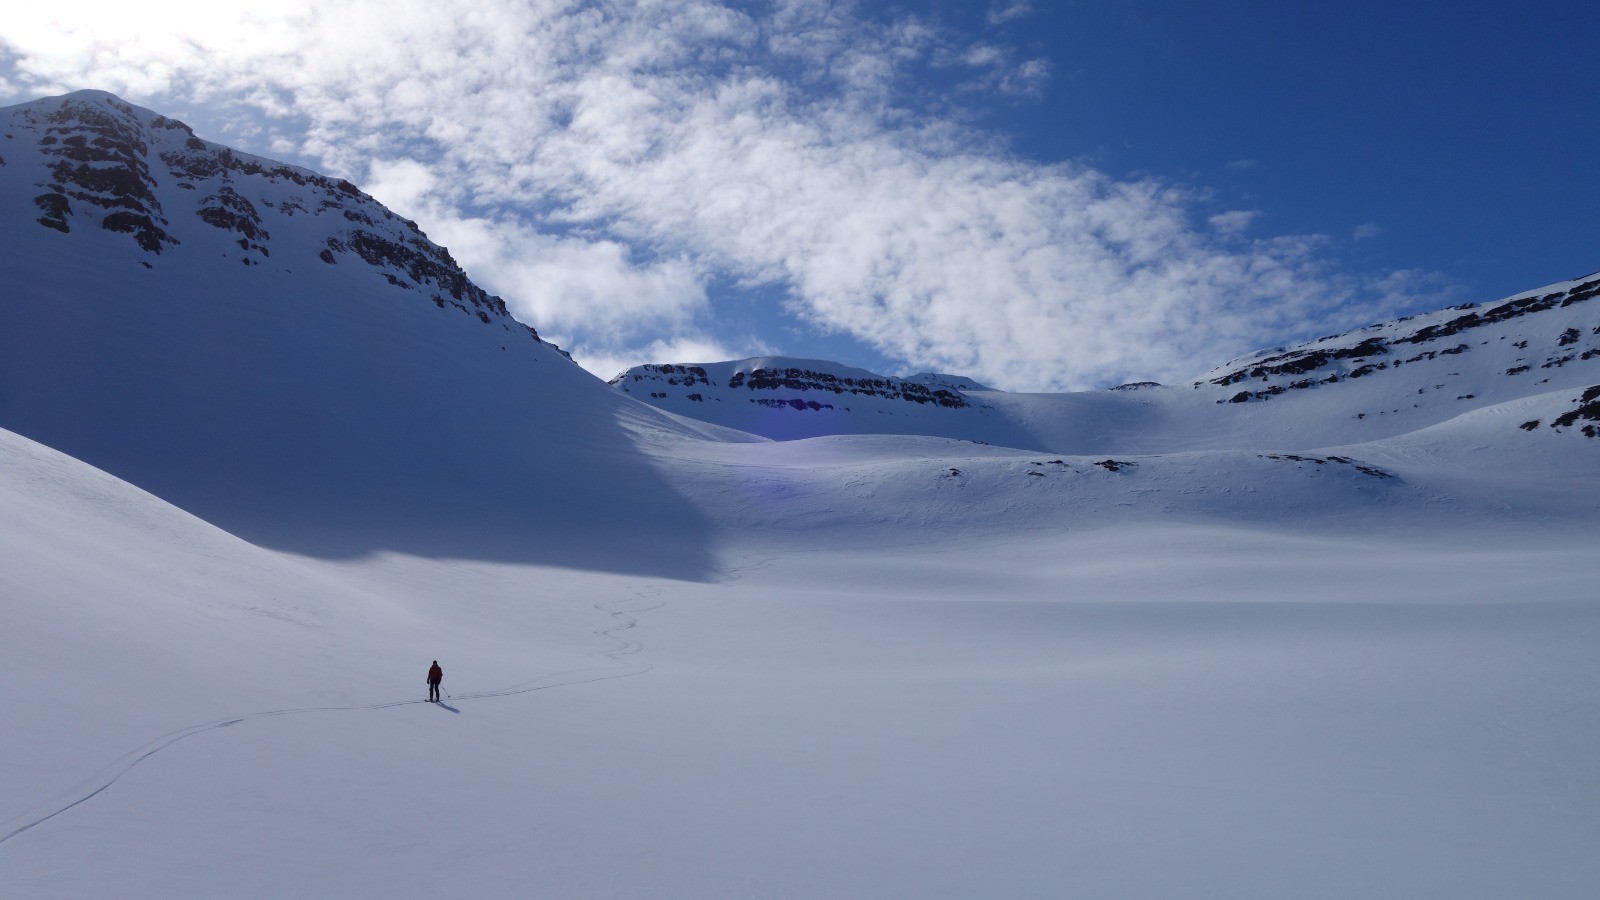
(1242, 165)
(1002, 13)
(687, 350)
(1234, 221)
(1367, 231)
(983, 55)
(573, 289)
(589, 295)
(598, 164)
(403, 185)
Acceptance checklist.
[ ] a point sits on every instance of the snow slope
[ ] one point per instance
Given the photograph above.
(1253, 649)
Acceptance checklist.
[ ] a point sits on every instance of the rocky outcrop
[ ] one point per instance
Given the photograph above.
(138, 173)
(1418, 339)
(796, 379)
(96, 155)
(1584, 415)
(758, 385)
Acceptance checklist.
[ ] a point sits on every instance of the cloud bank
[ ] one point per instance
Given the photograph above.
(600, 164)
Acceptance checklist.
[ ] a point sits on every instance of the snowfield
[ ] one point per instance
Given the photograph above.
(1337, 638)
(1400, 704)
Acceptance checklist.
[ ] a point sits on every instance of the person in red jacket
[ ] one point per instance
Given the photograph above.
(435, 675)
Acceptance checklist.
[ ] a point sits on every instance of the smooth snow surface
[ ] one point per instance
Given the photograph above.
(1157, 709)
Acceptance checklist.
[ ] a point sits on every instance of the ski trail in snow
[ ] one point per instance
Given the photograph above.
(98, 783)
(627, 669)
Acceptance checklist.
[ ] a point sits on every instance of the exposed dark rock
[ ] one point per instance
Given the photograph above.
(684, 375)
(98, 154)
(797, 379)
(1299, 362)
(791, 404)
(1587, 410)
(1305, 361)
(229, 211)
(1359, 466)
(422, 264)
(147, 233)
(56, 209)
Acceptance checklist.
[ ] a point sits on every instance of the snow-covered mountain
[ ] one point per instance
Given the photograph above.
(101, 163)
(276, 352)
(1376, 382)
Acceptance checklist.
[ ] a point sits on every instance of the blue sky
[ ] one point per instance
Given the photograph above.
(1465, 131)
(1041, 196)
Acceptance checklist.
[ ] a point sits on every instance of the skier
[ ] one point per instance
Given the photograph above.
(435, 675)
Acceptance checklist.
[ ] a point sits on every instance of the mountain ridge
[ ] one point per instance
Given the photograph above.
(1471, 356)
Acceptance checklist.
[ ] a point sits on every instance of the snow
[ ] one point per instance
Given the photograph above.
(1143, 709)
(1164, 647)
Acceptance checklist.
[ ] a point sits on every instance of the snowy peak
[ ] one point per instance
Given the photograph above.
(96, 148)
(96, 163)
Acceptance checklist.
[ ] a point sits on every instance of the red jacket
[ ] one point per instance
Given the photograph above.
(435, 673)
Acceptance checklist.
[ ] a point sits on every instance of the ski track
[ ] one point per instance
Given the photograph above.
(108, 776)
